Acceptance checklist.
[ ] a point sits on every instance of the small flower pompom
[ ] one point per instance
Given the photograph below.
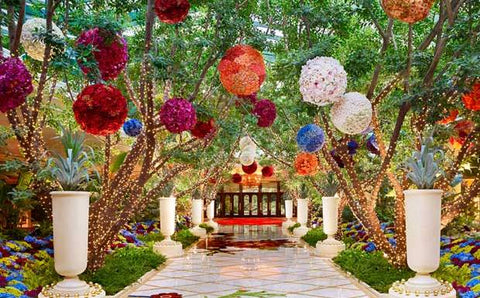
(266, 112)
(267, 171)
(310, 138)
(250, 169)
(178, 115)
(236, 178)
(204, 129)
(15, 83)
(471, 100)
(132, 127)
(306, 164)
(172, 11)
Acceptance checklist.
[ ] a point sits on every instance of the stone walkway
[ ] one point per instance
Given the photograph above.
(287, 270)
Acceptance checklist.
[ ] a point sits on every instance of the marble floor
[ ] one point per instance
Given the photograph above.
(288, 270)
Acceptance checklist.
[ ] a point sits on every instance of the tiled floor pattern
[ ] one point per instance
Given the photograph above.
(290, 271)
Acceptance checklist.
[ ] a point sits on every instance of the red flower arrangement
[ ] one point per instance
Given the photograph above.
(178, 115)
(15, 83)
(450, 118)
(172, 11)
(266, 112)
(203, 130)
(306, 164)
(267, 171)
(251, 168)
(100, 109)
(109, 51)
(242, 70)
(237, 178)
(410, 11)
(471, 100)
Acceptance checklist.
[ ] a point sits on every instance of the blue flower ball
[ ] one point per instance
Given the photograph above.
(310, 138)
(132, 127)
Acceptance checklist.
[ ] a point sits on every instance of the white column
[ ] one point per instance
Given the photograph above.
(168, 247)
(288, 215)
(302, 218)
(211, 215)
(197, 214)
(330, 247)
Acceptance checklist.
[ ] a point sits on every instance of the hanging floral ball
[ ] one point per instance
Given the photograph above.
(471, 100)
(32, 42)
(15, 83)
(172, 11)
(352, 147)
(267, 171)
(242, 70)
(100, 109)
(178, 115)
(410, 11)
(245, 142)
(247, 158)
(236, 178)
(204, 129)
(251, 168)
(322, 81)
(337, 159)
(109, 51)
(266, 112)
(372, 145)
(306, 164)
(132, 127)
(352, 114)
(310, 138)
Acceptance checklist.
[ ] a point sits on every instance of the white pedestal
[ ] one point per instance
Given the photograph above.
(329, 248)
(211, 215)
(300, 231)
(199, 232)
(422, 286)
(72, 288)
(168, 248)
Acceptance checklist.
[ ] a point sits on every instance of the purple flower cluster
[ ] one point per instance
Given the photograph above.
(15, 83)
(178, 115)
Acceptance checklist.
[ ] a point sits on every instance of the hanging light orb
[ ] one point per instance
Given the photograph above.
(266, 112)
(408, 11)
(352, 114)
(32, 40)
(310, 138)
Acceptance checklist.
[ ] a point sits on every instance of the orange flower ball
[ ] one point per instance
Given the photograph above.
(306, 164)
(242, 70)
(408, 11)
(471, 100)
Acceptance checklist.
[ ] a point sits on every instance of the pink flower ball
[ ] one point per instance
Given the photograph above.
(178, 114)
(15, 83)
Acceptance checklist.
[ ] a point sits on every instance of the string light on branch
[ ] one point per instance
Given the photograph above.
(310, 138)
(172, 11)
(410, 11)
(15, 83)
(33, 39)
(352, 114)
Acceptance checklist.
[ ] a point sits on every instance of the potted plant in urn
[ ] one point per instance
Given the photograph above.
(423, 214)
(197, 215)
(302, 212)
(70, 211)
(330, 247)
(287, 197)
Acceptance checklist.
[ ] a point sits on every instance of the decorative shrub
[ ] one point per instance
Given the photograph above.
(410, 11)
(293, 227)
(178, 115)
(242, 70)
(267, 171)
(250, 169)
(306, 164)
(352, 114)
(322, 81)
(310, 138)
(132, 127)
(15, 83)
(471, 100)
(204, 129)
(209, 229)
(266, 112)
(31, 39)
(314, 235)
(100, 109)
(172, 11)
(109, 51)
(185, 237)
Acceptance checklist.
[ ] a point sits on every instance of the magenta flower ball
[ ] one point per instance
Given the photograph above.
(15, 83)
(178, 114)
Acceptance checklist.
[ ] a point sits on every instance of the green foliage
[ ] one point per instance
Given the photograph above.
(451, 273)
(293, 227)
(124, 267)
(151, 237)
(185, 237)
(40, 272)
(314, 235)
(209, 229)
(330, 185)
(371, 268)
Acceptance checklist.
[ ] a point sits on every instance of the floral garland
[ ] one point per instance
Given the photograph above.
(322, 81)
(471, 100)
(242, 70)
(34, 44)
(267, 171)
(178, 115)
(410, 11)
(100, 109)
(109, 52)
(15, 83)
(251, 168)
(204, 129)
(132, 127)
(310, 138)
(306, 164)
(266, 112)
(352, 114)
(172, 11)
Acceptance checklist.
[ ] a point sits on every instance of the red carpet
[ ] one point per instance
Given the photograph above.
(250, 221)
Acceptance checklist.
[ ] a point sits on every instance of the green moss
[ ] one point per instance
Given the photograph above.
(207, 228)
(293, 227)
(313, 236)
(185, 237)
(371, 268)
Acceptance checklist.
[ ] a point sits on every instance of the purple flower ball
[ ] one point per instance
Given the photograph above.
(15, 83)
(178, 114)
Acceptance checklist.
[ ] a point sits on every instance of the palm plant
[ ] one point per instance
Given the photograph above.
(330, 186)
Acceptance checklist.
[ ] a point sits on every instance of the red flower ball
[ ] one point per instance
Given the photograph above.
(15, 83)
(172, 11)
(203, 130)
(100, 109)
(471, 100)
(109, 50)
(236, 178)
(267, 171)
(251, 168)
(408, 11)
(178, 115)
(266, 113)
(242, 70)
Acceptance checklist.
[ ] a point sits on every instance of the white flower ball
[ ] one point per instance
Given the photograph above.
(246, 141)
(322, 81)
(33, 44)
(352, 114)
(247, 158)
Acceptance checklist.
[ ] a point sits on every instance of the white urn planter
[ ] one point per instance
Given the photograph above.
(423, 225)
(211, 215)
(70, 242)
(197, 219)
(302, 218)
(330, 247)
(288, 214)
(168, 247)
